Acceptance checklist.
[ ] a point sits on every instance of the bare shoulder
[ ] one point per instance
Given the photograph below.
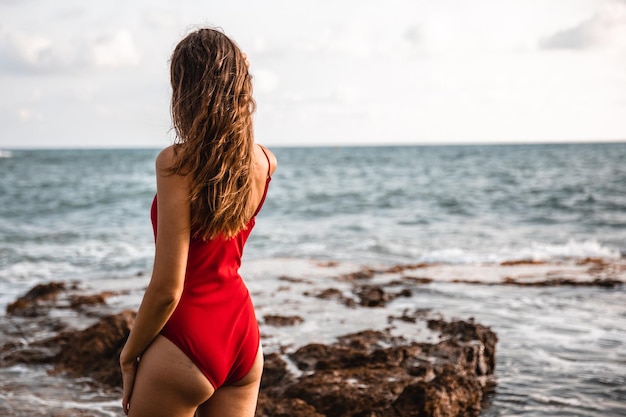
(165, 159)
(272, 158)
(169, 183)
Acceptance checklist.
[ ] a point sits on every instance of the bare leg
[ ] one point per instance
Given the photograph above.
(238, 399)
(168, 383)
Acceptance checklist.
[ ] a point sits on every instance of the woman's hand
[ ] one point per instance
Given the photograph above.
(129, 371)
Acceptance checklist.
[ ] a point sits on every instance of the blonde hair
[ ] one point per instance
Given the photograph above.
(212, 109)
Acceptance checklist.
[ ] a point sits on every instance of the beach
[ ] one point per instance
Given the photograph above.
(528, 242)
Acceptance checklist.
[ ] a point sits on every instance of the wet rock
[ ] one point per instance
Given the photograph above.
(411, 317)
(365, 273)
(281, 321)
(275, 373)
(401, 268)
(450, 393)
(328, 264)
(333, 294)
(371, 296)
(93, 352)
(40, 300)
(371, 373)
(377, 296)
(471, 345)
(284, 407)
(518, 262)
(35, 302)
(572, 282)
(418, 280)
(80, 301)
(293, 280)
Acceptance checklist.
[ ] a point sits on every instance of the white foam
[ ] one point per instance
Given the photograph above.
(537, 251)
(572, 249)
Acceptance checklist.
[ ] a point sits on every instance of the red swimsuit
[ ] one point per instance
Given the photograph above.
(214, 322)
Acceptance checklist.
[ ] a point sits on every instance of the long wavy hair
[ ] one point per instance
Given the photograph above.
(212, 109)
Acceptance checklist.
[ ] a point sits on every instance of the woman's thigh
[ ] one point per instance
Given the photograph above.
(168, 383)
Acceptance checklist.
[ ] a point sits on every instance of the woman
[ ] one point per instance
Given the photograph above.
(195, 345)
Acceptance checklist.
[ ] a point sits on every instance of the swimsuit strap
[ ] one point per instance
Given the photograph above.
(269, 166)
(267, 181)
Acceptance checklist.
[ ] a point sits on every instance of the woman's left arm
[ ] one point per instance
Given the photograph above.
(170, 263)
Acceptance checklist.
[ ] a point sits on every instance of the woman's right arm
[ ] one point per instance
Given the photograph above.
(170, 263)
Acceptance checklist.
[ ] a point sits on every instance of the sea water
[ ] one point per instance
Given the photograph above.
(84, 215)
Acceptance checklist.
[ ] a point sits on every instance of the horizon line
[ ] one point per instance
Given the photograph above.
(345, 145)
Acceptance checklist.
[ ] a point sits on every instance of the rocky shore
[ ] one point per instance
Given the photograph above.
(371, 372)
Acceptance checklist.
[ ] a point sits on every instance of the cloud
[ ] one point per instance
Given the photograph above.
(605, 28)
(33, 53)
(115, 50)
(25, 114)
(27, 52)
(265, 80)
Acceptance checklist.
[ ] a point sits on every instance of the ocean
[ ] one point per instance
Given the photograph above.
(83, 215)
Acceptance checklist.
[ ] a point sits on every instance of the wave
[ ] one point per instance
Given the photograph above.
(537, 251)
(6, 154)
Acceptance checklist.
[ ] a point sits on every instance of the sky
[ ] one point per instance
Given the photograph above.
(326, 72)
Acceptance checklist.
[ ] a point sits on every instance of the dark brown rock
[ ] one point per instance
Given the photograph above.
(279, 321)
(80, 301)
(351, 392)
(93, 352)
(284, 407)
(376, 296)
(519, 262)
(293, 280)
(401, 268)
(364, 374)
(334, 294)
(418, 280)
(479, 357)
(450, 393)
(275, 372)
(420, 313)
(372, 296)
(371, 373)
(365, 273)
(572, 282)
(30, 304)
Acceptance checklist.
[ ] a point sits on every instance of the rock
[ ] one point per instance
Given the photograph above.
(79, 301)
(364, 374)
(450, 393)
(474, 342)
(334, 294)
(275, 372)
(372, 296)
(418, 314)
(365, 273)
(418, 280)
(293, 280)
(519, 262)
(376, 296)
(372, 373)
(93, 352)
(284, 407)
(31, 304)
(279, 321)
(401, 268)
(555, 282)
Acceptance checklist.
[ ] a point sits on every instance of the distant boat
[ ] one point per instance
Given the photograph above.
(5, 154)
